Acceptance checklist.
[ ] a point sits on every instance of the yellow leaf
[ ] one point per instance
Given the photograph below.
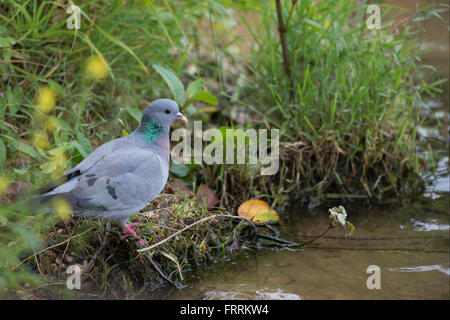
(258, 211)
(252, 207)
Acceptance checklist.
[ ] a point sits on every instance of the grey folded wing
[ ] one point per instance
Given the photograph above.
(116, 185)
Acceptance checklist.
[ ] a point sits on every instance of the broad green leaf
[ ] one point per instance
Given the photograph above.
(205, 96)
(194, 87)
(29, 150)
(135, 113)
(80, 149)
(85, 144)
(174, 83)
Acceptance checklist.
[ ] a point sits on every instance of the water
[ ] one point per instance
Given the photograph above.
(409, 242)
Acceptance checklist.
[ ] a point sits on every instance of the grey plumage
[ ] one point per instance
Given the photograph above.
(123, 175)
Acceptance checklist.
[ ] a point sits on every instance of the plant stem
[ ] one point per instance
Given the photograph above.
(284, 47)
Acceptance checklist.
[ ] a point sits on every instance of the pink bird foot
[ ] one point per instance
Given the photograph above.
(131, 232)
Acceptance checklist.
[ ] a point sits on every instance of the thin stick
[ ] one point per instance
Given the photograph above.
(275, 239)
(319, 236)
(193, 224)
(158, 270)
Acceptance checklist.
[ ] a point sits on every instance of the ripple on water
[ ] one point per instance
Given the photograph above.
(429, 225)
(435, 267)
(264, 294)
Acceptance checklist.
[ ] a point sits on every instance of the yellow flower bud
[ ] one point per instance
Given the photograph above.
(46, 99)
(96, 68)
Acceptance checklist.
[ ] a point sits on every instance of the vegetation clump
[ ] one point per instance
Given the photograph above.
(118, 269)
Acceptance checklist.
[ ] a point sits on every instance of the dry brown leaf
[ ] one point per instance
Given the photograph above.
(208, 194)
(177, 186)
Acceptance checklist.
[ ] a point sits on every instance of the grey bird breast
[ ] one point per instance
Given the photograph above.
(117, 180)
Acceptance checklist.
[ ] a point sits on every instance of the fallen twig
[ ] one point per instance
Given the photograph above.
(153, 263)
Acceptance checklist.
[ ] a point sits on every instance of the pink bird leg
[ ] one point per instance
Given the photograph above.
(129, 229)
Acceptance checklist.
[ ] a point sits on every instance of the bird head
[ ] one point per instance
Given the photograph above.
(163, 111)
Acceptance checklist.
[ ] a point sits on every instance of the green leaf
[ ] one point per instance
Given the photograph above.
(84, 144)
(194, 87)
(48, 167)
(2, 153)
(174, 83)
(57, 87)
(6, 42)
(316, 26)
(3, 221)
(63, 125)
(350, 228)
(21, 172)
(205, 96)
(77, 155)
(29, 150)
(135, 113)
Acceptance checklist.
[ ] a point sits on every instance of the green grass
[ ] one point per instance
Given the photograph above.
(349, 110)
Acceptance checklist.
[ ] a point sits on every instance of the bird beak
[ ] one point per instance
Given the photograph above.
(181, 117)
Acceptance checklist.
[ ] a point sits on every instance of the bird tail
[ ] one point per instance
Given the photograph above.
(42, 197)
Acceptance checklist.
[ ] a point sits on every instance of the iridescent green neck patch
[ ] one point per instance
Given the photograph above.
(152, 130)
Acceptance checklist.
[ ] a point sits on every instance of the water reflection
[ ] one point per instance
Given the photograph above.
(423, 269)
(392, 237)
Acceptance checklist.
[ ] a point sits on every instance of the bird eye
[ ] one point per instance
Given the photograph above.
(167, 111)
